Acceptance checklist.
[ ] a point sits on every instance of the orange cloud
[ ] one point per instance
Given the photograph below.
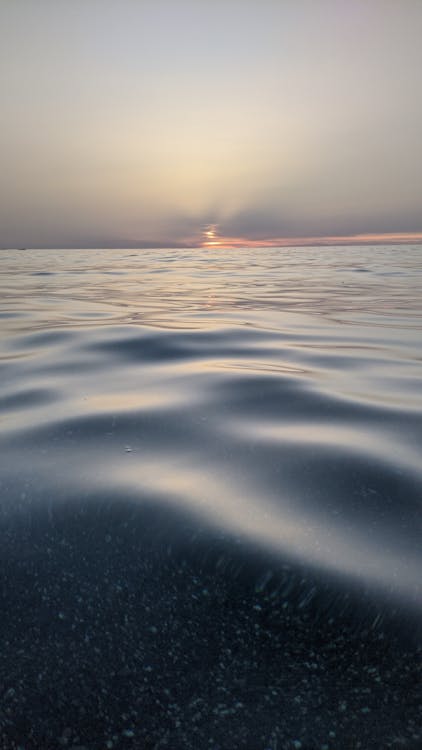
(405, 238)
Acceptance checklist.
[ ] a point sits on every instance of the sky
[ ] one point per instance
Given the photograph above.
(152, 123)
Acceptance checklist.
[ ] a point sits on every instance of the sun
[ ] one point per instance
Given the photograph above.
(210, 235)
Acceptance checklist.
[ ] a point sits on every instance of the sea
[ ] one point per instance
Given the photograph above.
(210, 498)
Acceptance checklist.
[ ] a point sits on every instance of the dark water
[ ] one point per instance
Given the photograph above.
(211, 489)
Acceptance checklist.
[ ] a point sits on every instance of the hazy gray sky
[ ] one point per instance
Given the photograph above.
(128, 122)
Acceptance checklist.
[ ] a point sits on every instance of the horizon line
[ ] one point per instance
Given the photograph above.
(221, 242)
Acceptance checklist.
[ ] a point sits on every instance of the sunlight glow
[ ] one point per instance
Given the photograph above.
(210, 236)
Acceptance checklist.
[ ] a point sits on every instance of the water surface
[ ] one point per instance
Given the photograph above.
(241, 423)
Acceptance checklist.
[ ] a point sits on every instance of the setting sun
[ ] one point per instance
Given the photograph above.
(210, 236)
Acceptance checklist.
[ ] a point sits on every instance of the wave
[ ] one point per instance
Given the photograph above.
(224, 450)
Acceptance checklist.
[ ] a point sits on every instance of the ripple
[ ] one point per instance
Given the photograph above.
(27, 399)
(228, 445)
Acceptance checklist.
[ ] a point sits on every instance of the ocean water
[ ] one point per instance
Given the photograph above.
(211, 490)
